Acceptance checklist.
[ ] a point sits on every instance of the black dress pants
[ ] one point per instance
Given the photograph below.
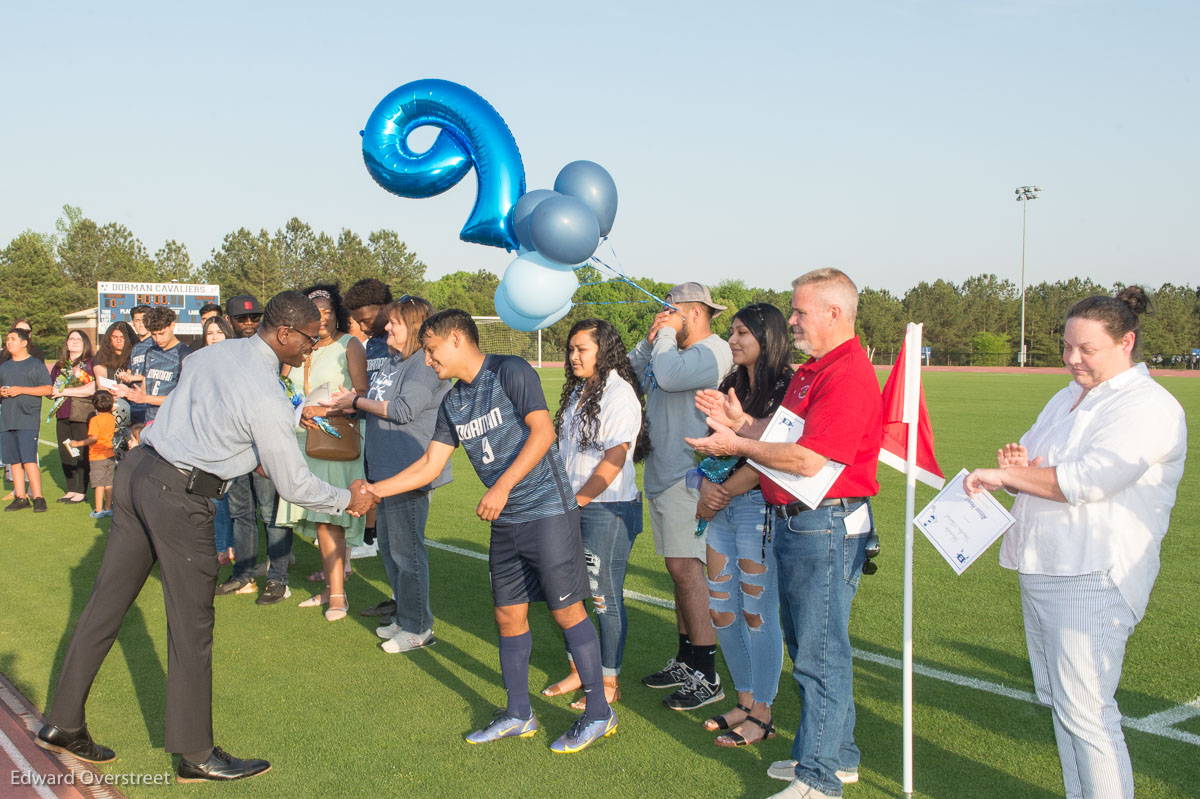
(75, 469)
(154, 518)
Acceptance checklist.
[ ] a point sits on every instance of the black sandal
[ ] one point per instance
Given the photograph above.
(720, 720)
(736, 739)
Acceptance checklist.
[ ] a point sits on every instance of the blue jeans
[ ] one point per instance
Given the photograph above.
(400, 531)
(819, 569)
(745, 603)
(609, 530)
(223, 524)
(245, 493)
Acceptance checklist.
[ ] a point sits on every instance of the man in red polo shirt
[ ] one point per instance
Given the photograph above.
(820, 550)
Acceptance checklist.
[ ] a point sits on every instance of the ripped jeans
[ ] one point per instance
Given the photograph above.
(743, 590)
(609, 529)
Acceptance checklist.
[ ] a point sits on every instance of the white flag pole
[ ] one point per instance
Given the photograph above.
(912, 394)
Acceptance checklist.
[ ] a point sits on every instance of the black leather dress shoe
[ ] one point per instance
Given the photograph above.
(78, 744)
(220, 766)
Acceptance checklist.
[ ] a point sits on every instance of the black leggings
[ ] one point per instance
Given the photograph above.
(74, 469)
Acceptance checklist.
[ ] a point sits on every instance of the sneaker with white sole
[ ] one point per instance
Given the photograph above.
(274, 592)
(237, 585)
(584, 732)
(388, 631)
(696, 692)
(786, 770)
(504, 726)
(364, 551)
(800, 790)
(673, 675)
(406, 642)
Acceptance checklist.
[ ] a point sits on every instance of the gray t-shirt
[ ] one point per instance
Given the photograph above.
(413, 393)
(21, 413)
(670, 379)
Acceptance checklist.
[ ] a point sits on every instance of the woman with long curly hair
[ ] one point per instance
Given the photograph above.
(71, 417)
(743, 586)
(601, 432)
(115, 347)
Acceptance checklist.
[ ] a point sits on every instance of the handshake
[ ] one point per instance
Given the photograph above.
(362, 498)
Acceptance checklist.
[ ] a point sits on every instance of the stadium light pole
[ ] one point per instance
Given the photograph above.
(1024, 195)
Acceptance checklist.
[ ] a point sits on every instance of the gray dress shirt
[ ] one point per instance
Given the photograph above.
(230, 413)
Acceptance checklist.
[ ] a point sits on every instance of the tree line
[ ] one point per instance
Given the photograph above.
(46, 275)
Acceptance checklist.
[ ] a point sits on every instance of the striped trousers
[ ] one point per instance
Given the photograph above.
(1076, 628)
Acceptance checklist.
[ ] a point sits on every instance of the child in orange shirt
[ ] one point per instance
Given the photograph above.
(101, 457)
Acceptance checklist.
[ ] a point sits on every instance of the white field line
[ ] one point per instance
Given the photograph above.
(1160, 724)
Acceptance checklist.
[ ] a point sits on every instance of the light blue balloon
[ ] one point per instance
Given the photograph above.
(591, 184)
(534, 289)
(472, 134)
(564, 230)
(523, 210)
(518, 322)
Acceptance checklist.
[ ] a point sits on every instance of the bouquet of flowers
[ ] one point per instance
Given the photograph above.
(67, 378)
(296, 397)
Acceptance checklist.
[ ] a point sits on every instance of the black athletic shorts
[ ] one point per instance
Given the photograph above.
(538, 561)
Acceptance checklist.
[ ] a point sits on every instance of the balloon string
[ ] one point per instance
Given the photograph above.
(620, 276)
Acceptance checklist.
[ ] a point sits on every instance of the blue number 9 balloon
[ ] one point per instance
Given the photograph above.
(472, 135)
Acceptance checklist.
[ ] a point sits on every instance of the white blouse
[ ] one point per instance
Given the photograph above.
(1119, 459)
(620, 421)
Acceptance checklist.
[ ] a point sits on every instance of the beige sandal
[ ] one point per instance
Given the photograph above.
(333, 614)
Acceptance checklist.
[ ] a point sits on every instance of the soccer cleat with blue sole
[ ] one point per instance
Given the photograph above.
(504, 726)
(584, 733)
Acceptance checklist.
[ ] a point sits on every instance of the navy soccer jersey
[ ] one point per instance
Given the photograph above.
(162, 369)
(137, 365)
(487, 417)
(378, 355)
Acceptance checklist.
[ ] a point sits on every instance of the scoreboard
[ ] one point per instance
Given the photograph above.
(116, 300)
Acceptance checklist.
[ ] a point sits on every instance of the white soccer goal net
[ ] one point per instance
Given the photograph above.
(497, 338)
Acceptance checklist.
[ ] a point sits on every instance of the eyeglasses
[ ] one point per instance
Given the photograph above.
(314, 340)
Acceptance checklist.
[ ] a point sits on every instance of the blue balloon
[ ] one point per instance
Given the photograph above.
(518, 322)
(591, 184)
(534, 288)
(522, 211)
(564, 230)
(472, 134)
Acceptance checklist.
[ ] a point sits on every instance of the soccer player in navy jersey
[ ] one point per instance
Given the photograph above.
(498, 413)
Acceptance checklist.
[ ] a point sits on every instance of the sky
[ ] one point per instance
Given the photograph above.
(882, 138)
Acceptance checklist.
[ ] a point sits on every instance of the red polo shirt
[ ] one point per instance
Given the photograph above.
(838, 398)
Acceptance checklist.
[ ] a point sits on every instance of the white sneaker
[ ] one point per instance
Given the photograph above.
(406, 642)
(799, 790)
(364, 551)
(388, 631)
(786, 770)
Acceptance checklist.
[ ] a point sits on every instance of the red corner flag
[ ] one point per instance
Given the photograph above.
(906, 378)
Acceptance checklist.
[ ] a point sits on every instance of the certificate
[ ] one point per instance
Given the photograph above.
(786, 427)
(962, 527)
(107, 385)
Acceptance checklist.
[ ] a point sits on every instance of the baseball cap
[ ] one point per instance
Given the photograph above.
(694, 292)
(242, 305)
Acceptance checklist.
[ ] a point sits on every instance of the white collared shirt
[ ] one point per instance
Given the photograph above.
(1119, 458)
(620, 421)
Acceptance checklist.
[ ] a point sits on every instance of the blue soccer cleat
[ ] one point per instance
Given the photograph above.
(504, 726)
(585, 732)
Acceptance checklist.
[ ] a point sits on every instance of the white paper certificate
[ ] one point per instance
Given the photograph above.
(962, 527)
(786, 427)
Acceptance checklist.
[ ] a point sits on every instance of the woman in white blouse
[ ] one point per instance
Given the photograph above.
(1095, 480)
(601, 432)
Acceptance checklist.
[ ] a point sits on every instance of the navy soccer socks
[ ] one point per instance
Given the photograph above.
(514, 668)
(584, 645)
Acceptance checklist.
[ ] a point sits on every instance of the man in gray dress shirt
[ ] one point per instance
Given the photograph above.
(202, 437)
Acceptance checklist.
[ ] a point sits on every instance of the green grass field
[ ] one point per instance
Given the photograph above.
(339, 718)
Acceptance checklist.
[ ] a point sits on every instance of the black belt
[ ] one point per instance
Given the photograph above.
(200, 482)
(796, 508)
